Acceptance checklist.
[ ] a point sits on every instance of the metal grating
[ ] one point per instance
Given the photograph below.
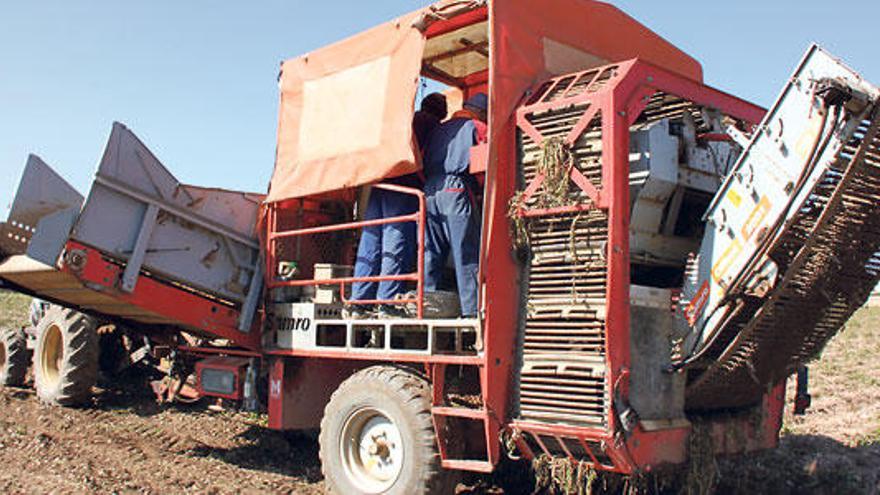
(562, 369)
(562, 330)
(574, 85)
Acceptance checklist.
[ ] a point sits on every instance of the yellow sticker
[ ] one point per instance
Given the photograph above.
(723, 265)
(734, 197)
(807, 138)
(756, 218)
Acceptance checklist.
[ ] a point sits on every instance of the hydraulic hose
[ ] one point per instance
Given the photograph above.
(820, 144)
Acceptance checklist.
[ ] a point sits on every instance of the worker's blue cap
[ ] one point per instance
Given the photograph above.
(478, 101)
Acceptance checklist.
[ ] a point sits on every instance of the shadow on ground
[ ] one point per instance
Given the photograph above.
(288, 453)
(804, 464)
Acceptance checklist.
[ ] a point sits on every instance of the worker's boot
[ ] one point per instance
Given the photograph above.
(392, 312)
(356, 312)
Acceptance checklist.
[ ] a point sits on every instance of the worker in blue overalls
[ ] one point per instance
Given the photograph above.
(453, 223)
(390, 249)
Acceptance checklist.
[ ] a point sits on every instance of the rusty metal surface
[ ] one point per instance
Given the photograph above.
(562, 367)
(831, 255)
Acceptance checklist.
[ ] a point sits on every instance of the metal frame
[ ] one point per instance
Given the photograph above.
(618, 103)
(273, 235)
(190, 310)
(393, 326)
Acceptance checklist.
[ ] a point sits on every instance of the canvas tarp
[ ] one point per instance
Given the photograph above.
(346, 112)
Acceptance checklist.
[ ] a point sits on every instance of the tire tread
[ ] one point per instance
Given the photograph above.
(79, 369)
(14, 371)
(415, 395)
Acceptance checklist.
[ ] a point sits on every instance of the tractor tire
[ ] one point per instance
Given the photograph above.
(377, 436)
(14, 359)
(66, 357)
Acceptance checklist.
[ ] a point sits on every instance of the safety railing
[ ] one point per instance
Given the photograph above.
(272, 237)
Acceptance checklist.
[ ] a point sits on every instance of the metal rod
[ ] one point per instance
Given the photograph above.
(136, 261)
(219, 350)
(419, 277)
(345, 226)
(420, 262)
(346, 280)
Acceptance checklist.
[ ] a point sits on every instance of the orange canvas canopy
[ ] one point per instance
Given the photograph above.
(346, 110)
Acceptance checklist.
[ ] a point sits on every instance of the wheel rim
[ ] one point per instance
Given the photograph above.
(52, 355)
(372, 450)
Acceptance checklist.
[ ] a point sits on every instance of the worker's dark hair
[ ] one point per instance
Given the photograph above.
(435, 104)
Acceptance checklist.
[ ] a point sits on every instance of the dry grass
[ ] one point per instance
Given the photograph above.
(846, 386)
(835, 448)
(13, 309)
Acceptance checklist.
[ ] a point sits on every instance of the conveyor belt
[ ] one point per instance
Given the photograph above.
(830, 260)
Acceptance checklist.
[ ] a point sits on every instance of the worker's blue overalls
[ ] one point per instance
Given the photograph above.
(386, 249)
(453, 223)
(390, 249)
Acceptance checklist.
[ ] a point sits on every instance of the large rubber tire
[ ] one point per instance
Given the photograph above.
(66, 357)
(373, 398)
(14, 359)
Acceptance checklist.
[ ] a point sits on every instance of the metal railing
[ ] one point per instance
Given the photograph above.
(418, 277)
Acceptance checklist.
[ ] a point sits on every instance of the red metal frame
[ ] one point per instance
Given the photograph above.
(218, 351)
(272, 235)
(589, 439)
(751, 432)
(379, 356)
(189, 310)
(618, 103)
(475, 82)
(457, 21)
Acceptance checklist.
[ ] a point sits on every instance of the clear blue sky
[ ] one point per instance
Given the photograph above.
(196, 79)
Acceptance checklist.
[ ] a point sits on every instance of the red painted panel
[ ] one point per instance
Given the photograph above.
(192, 311)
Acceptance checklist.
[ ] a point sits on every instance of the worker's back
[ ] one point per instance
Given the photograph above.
(449, 147)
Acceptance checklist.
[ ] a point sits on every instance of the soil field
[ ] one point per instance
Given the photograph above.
(125, 443)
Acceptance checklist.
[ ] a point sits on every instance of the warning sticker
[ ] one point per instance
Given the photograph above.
(693, 310)
(723, 265)
(756, 218)
(734, 197)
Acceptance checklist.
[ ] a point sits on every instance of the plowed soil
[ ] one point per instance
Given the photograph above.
(126, 443)
(112, 447)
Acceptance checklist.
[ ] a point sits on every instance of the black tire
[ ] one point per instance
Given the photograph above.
(66, 357)
(404, 399)
(14, 359)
